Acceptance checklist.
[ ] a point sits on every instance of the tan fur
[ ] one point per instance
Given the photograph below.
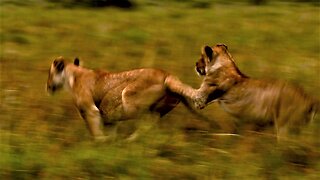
(262, 101)
(103, 97)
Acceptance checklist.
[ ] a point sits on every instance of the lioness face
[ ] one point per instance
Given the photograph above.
(201, 66)
(209, 55)
(56, 77)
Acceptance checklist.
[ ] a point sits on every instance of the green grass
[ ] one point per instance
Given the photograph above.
(44, 137)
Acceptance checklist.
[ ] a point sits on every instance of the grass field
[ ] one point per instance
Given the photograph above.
(43, 137)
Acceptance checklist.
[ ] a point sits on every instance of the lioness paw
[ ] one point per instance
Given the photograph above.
(199, 103)
(100, 139)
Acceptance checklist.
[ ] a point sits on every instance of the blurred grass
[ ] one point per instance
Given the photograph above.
(43, 137)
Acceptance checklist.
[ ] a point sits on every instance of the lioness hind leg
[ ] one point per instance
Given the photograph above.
(139, 97)
(289, 127)
(195, 97)
(143, 125)
(282, 133)
(165, 104)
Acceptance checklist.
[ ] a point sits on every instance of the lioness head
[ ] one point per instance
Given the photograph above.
(57, 75)
(209, 55)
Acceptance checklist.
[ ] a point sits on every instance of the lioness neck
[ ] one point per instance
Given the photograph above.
(71, 71)
(235, 68)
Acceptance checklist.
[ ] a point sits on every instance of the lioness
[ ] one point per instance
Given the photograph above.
(104, 97)
(262, 101)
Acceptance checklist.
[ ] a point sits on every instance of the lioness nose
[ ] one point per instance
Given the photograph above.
(51, 87)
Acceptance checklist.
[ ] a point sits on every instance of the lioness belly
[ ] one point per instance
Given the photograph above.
(253, 111)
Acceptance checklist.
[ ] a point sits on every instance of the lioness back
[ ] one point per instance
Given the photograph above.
(114, 83)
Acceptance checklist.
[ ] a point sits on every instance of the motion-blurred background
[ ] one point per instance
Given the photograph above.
(43, 137)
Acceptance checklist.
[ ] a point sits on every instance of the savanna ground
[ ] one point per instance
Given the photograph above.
(44, 137)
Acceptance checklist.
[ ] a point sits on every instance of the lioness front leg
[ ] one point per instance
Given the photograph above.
(209, 92)
(92, 118)
(197, 97)
(205, 94)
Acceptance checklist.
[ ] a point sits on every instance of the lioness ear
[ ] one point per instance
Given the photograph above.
(223, 45)
(207, 52)
(76, 61)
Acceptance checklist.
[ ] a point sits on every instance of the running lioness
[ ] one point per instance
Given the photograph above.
(103, 97)
(283, 104)
(262, 101)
